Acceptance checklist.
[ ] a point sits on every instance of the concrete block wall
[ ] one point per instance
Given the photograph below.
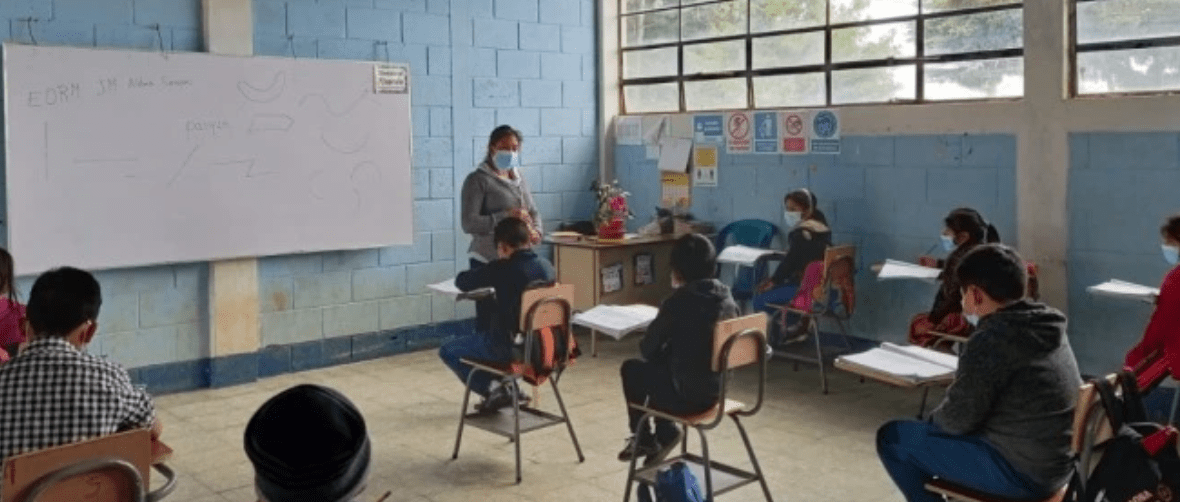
(519, 58)
(885, 194)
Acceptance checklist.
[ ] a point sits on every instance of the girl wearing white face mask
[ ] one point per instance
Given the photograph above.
(964, 230)
(808, 236)
(1163, 332)
(495, 190)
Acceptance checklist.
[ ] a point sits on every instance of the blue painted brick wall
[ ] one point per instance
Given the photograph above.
(158, 314)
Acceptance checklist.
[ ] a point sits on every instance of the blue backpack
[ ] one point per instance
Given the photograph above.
(674, 484)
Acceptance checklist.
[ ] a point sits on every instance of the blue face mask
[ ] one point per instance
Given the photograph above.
(972, 318)
(792, 218)
(1171, 254)
(948, 242)
(506, 159)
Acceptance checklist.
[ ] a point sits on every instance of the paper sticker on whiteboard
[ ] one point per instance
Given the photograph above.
(390, 79)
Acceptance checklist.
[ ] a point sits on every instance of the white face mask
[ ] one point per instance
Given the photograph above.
(792, 218)
(676, 284)
(1171, 254)
(506, 159)
(971, 318)
(948, 242)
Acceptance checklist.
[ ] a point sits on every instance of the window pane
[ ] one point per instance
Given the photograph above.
(781, 91)
(638, 5)
(789, 50)
(1134, 70)
(874, 42)
(722, 94)
(844, 11)
(649, 63)
(945, 5)
(654, 28)
(652, 98)
(772, 15)
(976, 32)
(1127, 19)
(990, 78)
(873, 85)
(714, 57)
(714, 20)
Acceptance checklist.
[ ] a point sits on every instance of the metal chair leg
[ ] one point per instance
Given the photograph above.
(683, 439)
(819, 356)
(568, 424)
(708, 467)
(922, 406)
(634, 457)
(753, 459)
(463, 414)
(516, 424)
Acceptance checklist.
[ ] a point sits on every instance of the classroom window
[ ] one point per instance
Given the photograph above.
(1126, 46)
(737, 54)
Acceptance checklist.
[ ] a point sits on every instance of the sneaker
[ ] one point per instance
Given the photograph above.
(498, 398)
(665, 447)
(647, 447)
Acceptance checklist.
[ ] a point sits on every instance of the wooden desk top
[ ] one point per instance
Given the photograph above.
(594, 243)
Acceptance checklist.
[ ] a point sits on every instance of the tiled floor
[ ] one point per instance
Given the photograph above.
(813, 447)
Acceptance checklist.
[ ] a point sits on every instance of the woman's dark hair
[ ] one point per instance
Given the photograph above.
(1171, 228)
(693, 257)
(805, 199)
(498, 134)
(996, 269)
(965, 219)
(6, 274)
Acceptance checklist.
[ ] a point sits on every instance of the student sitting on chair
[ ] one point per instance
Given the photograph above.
(965, 229)
(676, 373)
(1163, 331)
(11, 311)
(517, 269)
(53, 392)
(1004, 426)
(308, 443)
(807, 239)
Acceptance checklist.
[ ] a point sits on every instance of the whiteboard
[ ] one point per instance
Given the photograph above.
(121, 158)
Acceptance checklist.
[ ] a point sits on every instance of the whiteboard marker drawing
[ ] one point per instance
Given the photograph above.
(271, 92)
(343, 149)
(187, 160)
(271, 122)
(328, 106)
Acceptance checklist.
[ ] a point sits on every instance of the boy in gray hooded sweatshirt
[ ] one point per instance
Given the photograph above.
(1004, 426)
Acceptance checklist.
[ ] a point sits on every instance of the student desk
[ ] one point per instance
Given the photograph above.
(580, 260)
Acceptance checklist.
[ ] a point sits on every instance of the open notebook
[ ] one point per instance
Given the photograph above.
(893, 269)
(1123, 289)
(742, 255)
(617, 320)
(901, 365)
(448, 288)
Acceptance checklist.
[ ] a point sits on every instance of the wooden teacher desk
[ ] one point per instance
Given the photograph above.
(580, 261)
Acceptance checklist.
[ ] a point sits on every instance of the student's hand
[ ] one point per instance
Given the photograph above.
(764, 286)
(535, 237)
(928, 261)
(157, 429)
(523, 214)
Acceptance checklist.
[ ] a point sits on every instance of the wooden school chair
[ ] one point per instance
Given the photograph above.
(111, 468)
(836, 282)
(545, 325)
(736, 343)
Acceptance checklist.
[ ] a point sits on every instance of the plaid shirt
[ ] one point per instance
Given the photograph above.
(53, 394)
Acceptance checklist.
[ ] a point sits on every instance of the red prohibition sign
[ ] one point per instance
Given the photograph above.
(739, 126)
(794, 125)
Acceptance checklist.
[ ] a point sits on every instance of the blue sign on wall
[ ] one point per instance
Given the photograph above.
(708, 128)
(766, 132)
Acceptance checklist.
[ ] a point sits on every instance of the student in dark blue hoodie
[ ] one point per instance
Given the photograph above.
(1004, 426)
(517, 269)
(676, 373)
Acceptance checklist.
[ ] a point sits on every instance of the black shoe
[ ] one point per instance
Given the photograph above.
(497, 399)
(667, 443)
(647, 447)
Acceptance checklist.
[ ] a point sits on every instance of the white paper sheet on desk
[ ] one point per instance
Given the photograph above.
(1124, 289)
(449, 288)
(617, 320)
(908, 362)
(893, 269)
(742, 255)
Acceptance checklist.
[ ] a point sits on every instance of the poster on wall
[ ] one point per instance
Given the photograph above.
(766, 132)
(645, 269)
(708, 128)
(739, 136)
(704, 166)
(629, 130)
(612, 278)
(795, 132)
(674, 190)
(825, 132)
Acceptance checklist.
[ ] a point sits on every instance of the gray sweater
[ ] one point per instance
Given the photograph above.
(486, 199)
(1017, 384)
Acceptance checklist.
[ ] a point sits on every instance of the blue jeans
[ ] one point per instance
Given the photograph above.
(915, 452)
(474, 346)
(781, 295)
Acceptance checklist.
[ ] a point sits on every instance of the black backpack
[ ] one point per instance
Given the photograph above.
(1139, 463)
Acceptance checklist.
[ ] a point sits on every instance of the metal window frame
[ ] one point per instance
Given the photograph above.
(919, 60)
(1110, 46)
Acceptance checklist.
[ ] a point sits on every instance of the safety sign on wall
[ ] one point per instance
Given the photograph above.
(766, 132)
(704, 166)
(795, 132)
(825, 132)
(739, 134)
(708, 128)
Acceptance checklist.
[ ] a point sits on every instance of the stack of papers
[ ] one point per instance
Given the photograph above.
(742, 255)
(448, 288)
(617, 320)
(901, 365)
(893, 269)
(1123, 289)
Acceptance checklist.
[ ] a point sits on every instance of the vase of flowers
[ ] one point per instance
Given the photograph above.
(612, 211)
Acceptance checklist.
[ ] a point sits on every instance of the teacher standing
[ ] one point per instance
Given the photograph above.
(493, 191)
